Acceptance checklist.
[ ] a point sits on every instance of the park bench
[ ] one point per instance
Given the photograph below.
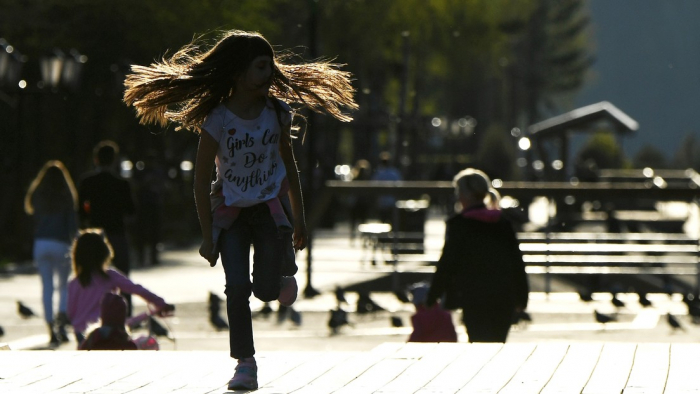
(610, 253)
(566, 253)
(380, 242)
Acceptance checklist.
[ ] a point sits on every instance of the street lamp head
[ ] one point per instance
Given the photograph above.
(10, 64)
(52, 68)
(57, 68)
(72, 68)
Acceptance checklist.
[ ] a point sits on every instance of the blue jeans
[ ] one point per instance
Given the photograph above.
(53, 258)
(254, 226)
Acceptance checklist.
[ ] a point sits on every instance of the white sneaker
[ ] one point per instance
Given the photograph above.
(246, 376)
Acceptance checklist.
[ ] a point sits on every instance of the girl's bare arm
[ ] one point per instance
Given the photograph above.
(206, 153)
(295, 196)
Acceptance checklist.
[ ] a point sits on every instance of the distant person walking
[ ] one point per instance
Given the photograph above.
(386, 172)
(52, 201)
(236, 96)
(481, 269)
(360, 206)
(106, 201)
(149, 190)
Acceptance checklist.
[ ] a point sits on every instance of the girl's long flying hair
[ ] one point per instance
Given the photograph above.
(185, 87)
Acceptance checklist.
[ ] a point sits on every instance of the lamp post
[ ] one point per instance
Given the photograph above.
(309, 290)
(61, 70)
(10, 70)
(11, 62)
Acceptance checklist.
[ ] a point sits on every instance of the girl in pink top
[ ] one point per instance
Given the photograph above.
(92, 278)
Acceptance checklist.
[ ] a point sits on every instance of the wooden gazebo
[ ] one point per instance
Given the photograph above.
(579, 120)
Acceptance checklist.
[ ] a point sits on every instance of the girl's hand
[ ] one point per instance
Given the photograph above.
(167, 310)
(206, 250)
(299, 237)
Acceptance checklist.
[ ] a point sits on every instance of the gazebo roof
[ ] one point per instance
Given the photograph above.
(583, 116)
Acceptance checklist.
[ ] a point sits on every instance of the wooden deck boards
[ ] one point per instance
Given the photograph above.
(549, 367)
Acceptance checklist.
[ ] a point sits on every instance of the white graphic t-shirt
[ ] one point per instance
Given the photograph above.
(248, 164)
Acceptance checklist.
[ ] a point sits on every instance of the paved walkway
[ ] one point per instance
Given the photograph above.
(389, 368)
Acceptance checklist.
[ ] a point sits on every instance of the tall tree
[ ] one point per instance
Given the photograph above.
(552, 55)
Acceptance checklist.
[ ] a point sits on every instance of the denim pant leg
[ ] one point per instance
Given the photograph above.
(43, 256)
(52, 256)
(270, 245)
(234, 245)
(63, 269)
(255, 226)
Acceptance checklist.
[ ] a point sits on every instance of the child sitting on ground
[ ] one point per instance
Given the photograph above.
(92, 254)
(112, 335)
(430, 323)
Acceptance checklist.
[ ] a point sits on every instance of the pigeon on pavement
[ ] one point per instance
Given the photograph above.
(214, 313)
(617, 302)
(365, 304)
(643, 300)
(340, 295)
(602, 318)
(24, 310)
(674, 323)
(338, 319)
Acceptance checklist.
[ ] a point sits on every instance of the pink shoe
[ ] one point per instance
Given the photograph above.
(246, 376)
(288, 291)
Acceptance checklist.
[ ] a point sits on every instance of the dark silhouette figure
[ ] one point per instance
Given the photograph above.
(481, 270)
(360, 206)
(386, 172)
(150, 182)
(24, 311)
(105, 201)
